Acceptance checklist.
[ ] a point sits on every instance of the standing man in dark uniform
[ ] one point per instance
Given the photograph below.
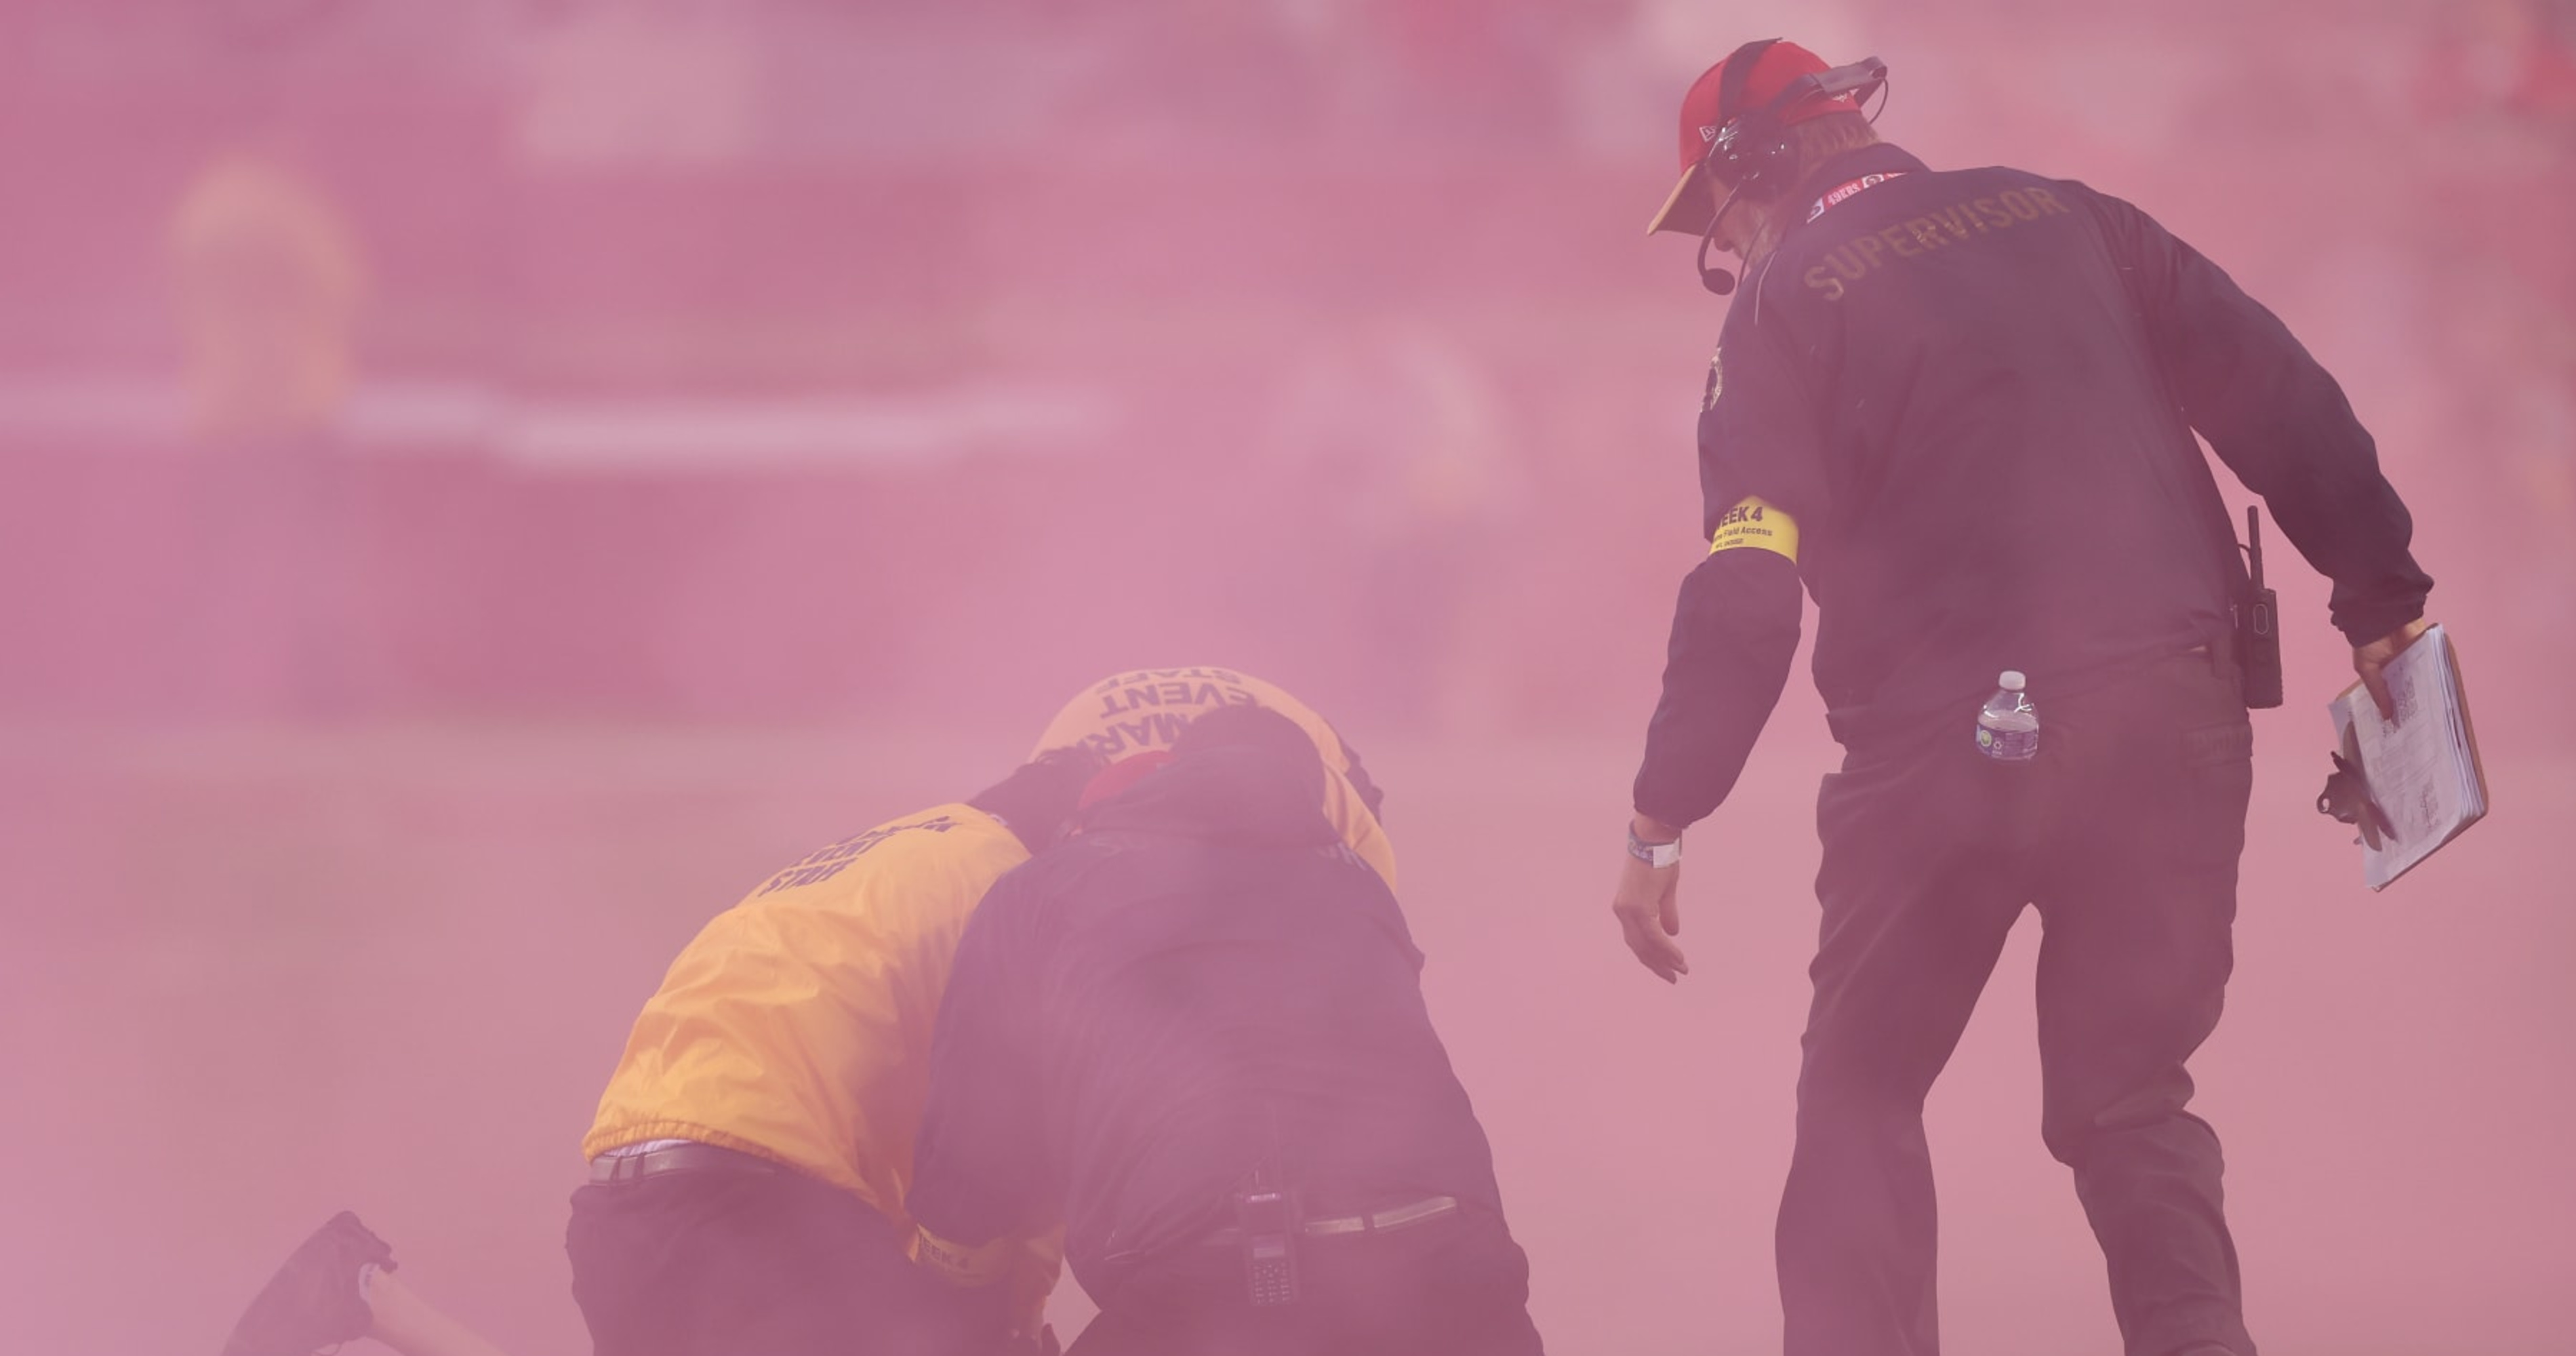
(1958, 406)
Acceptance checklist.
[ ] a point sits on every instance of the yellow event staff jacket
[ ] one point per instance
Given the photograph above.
(797, 1025)
(1142, 709)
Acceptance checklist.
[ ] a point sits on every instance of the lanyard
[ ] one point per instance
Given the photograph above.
(1835, 198)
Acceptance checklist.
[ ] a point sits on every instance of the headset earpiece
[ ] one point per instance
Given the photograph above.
(1750, 152)
(1758, 154)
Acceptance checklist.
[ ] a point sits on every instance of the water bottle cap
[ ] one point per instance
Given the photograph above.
(2012, 680)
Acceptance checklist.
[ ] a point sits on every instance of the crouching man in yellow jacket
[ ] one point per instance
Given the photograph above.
(750, 1157)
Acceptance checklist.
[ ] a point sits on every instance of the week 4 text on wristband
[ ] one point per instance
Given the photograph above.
(1757, 524)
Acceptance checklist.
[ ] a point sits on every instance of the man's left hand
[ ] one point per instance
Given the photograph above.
(1648, 907)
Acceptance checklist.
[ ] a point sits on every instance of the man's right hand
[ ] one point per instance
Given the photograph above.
(2371, 662)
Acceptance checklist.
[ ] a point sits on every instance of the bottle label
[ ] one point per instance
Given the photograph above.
(2007, 746)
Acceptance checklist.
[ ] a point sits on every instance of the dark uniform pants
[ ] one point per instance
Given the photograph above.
(722, 1262)
(2125, 832)
(1458, 1286)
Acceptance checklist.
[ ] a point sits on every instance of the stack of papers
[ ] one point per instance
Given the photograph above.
(2423, 769)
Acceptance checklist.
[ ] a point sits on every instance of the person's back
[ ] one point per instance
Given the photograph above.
(1207, 994)
(1232, 989)
(2005, 454)
(1999, 419)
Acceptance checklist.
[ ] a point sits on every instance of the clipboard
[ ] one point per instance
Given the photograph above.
(2410, 786)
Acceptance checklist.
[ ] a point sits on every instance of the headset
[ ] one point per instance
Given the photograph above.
(1751, 152)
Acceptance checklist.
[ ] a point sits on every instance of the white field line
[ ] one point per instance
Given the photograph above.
(606, 434)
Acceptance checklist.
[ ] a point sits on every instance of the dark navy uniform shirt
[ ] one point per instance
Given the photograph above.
(1962, 402)
(1205, 982)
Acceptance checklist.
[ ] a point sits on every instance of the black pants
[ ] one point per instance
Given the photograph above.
(2125, 832)
(1456, 1286)
(726, 1262)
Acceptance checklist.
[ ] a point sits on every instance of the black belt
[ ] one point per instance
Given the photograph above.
(1376, 1222)
(613, 1166)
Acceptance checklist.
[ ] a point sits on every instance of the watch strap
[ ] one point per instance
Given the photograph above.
(1657, 855)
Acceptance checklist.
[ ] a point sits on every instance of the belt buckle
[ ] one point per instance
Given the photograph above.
(625, 1162)
(1381, 1221)
(1428, 1208)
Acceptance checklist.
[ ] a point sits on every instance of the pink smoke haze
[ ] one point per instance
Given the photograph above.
(482, 483)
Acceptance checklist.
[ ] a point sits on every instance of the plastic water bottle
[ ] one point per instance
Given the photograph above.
(2008, 726)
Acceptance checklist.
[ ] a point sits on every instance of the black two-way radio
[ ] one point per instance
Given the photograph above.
(2258, 626)
(1269, 1218)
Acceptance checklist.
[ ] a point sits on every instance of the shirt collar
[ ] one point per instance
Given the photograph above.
(1876, 158)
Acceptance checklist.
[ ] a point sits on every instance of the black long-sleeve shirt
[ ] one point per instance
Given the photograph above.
(1203, 982)
(1974, 393)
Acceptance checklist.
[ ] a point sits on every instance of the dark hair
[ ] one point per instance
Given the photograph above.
(1038, 798)
(1254, 727)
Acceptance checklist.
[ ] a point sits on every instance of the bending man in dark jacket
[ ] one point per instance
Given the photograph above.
(1203, 1000)
(1958, 406)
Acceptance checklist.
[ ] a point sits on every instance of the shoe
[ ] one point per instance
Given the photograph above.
(313, 1302)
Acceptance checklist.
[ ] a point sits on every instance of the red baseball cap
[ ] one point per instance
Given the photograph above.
(1120, 775)
(1778, 65)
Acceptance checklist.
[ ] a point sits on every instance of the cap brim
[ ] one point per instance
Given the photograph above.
(1684, 210)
